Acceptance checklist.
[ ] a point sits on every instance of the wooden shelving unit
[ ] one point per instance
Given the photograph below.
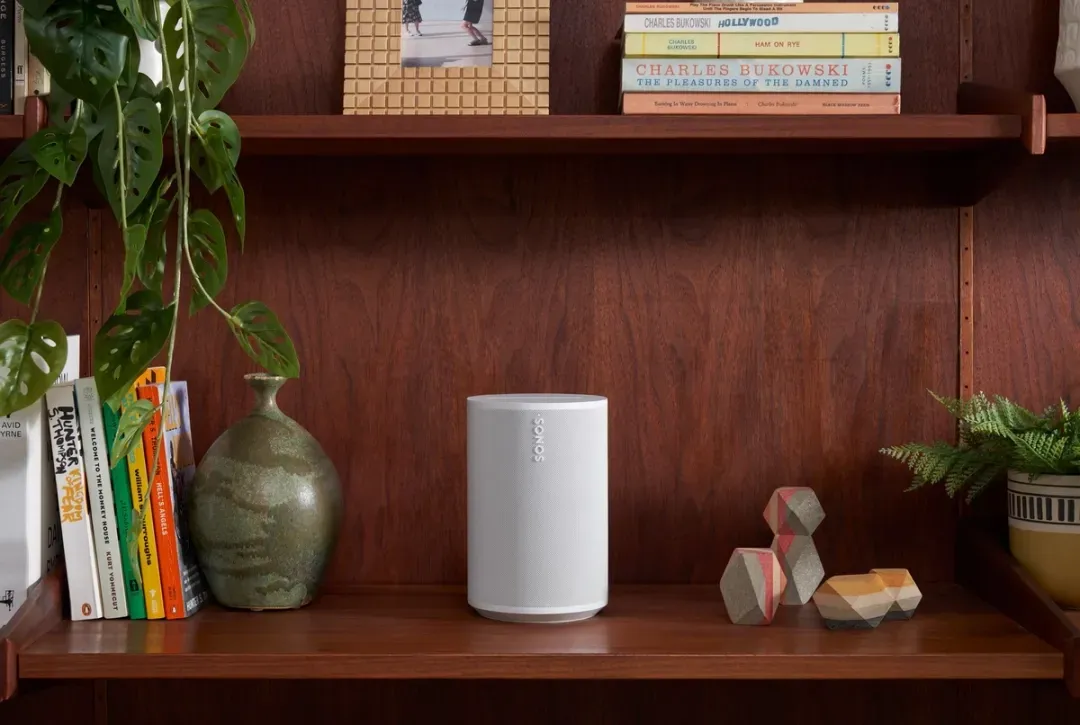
(646, 632)
(397, 135)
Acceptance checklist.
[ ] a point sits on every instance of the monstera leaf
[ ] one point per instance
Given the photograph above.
(21, 179)
(24, 264)
(220, 43)
(140, 138)
(36, 8)
(128, 342)
(264, 339)
(83, 43)
(60, 151)
(155, 218)
(31, 359)
(133, 420)
(134, 243)
(140, 15)
(217, 148)
(206, 240)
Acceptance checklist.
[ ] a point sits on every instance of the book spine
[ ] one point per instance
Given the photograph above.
(755, 45)
(75, 530)
(722, 8)
(103, 511)
(140, 493)
(743, 75)
(757, 22)
(125, 515)
(22, 56)
(778, 104)
(15, 482)
(195, 590)
(7, 57)
(162, 506)
(38, 79)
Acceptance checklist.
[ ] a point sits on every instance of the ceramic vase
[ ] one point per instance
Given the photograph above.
(265, 508)
(1067, 62)
(1044, 532)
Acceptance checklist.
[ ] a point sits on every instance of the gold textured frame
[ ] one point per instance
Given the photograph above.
(516, 83)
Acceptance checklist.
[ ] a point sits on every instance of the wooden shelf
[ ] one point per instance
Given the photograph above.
(11, 128)
(650, 632)
(403, 135)
(1063, 126)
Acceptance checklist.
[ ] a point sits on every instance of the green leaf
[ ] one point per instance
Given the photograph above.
(31, 360)
(264, 339)
(36, 8)
(83, 44)
(140, 15)
(21, 179)
(152, 265)
(128, 82)
(220, 45)
(134, 243)
(209, 256)
(24, 264)
(140, 135)
(60, 151)
(59, 103)
(133, 420)
(216, 149)
(235, 192)
(128, 342)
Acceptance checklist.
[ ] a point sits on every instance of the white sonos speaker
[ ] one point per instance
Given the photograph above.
(538, 506)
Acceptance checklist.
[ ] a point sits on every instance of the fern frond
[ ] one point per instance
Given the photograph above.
(1038, 451)
(980, 481)
(1016, 416)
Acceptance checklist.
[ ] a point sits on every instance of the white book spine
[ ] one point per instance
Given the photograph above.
(22, 56)
(39, 82)
(102, 509)
(76, 531)
(757, 22)
(769, 75)
(29, 518)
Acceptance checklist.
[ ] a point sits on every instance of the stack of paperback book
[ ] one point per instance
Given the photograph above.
(761, 58)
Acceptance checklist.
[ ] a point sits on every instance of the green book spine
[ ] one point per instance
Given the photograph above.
(125, 510)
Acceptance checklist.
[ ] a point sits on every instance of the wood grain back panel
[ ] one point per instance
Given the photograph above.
(744, 344)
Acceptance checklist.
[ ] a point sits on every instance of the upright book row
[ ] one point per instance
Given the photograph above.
(57, 472)
(21, 74)
(759, 58)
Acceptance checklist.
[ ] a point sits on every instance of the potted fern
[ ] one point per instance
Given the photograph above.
(1039, 455)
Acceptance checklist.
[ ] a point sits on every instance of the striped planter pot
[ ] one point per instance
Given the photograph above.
(1044, 532)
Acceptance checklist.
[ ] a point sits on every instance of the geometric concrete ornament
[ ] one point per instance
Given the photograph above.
(793, 513)
(856, 601)
(901, 587)
(752, 586)
(794, 510)
(801, 564)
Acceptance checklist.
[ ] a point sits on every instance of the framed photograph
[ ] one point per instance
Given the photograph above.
(447, 57)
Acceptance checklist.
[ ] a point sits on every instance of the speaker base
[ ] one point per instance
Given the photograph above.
(560, 618)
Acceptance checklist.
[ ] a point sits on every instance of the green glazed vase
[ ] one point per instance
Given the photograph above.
(265, 508)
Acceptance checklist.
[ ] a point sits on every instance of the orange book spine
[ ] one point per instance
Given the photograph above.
(816, 8)
(771, 104)
(164, 521)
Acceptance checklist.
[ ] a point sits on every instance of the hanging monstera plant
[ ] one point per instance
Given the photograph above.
(109, 120)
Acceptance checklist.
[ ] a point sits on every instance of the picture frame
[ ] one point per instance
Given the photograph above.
(378, 81)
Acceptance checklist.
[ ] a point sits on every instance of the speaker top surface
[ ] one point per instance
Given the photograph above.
(537, 401)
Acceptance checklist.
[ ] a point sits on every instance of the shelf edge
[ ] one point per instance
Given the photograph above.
(42, 611)
(985, 567)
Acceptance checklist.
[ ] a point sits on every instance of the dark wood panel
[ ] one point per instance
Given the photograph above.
(744, 345)
(496, 703)
(1015, 45)
(1027, 326)
(298, 62)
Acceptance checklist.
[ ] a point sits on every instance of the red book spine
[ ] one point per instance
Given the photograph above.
(164, 522)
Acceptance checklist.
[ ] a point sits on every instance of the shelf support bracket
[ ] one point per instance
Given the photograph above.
(1030, 107)
(43, 610)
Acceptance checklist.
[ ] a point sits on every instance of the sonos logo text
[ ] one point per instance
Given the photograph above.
(538, 439)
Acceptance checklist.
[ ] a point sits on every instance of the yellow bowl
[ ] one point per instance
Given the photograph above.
(1044, 532)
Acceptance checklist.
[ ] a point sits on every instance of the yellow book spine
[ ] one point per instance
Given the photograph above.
(762, 45)
(140, 490)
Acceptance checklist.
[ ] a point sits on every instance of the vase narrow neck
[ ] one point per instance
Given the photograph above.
(266, 388)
